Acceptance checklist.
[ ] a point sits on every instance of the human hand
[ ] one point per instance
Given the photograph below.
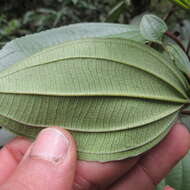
(50, 164)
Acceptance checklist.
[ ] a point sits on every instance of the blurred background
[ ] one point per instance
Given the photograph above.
(18, 18)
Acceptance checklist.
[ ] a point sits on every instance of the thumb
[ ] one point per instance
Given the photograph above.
(49, 163)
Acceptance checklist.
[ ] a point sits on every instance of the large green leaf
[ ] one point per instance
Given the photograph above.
(23, 47)
(115, 103)
(122, 53)
(31, 132)
(179, 177)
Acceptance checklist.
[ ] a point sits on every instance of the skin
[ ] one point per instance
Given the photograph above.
(22, 168)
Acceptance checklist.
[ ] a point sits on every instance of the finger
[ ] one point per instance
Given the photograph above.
(10, 156)
(96, 175)
(168, 188)
(109, 171)
(157, 162)
(49, 163)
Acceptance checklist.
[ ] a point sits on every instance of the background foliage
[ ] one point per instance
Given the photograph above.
(18, 18)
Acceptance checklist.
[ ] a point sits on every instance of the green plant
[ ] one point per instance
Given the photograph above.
(183, 3)
(132, 7)
(82, 94)
(169, 73)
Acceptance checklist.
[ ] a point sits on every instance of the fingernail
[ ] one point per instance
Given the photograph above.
(51, 144)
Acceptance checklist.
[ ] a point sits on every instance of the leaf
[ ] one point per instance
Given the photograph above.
(179, 57)
(99, 90)
(183, 3)
(152, 28)
(185, 119)
(31, 132)
(178, 178)
(75, 1)
(6, 136)
(116, 11)
(23, 47)
(137, 19)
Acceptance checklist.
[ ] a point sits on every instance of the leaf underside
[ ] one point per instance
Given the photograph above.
(115, 103)
(26, 46)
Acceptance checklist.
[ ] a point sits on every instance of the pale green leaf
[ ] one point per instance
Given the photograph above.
(23, 47)
(152, 28)
(115, 103)
(31, 132)
(179, 57)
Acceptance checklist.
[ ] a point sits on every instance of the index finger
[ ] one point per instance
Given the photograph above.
(10, 156)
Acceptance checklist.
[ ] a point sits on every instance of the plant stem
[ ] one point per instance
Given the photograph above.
(173, 37)
(169, 14)
(185, 112)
